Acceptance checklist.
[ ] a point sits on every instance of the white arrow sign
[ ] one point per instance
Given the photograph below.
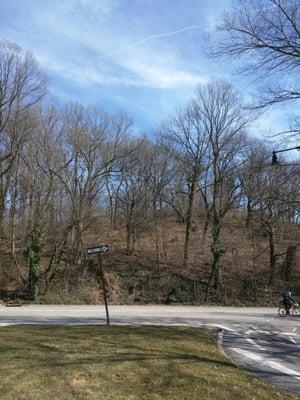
(101, 248)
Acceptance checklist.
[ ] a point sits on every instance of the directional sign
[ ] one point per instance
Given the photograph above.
(100, 249)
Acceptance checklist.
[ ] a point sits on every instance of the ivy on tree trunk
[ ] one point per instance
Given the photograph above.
(33, 253)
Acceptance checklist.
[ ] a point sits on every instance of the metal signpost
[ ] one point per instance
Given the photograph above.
(98, 251)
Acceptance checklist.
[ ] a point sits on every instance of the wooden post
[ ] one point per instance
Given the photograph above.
(103, 282)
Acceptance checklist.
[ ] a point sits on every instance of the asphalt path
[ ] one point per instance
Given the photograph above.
(254, 338)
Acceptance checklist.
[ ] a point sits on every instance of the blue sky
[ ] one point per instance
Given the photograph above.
(144, 57)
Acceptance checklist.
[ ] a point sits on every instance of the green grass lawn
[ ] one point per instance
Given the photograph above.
(121, 362)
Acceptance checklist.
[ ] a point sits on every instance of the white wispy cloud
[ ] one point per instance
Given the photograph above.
(85, 77)
(143, 55)
(162, 76)
(136, 74)
(148, 39)
(148, 62)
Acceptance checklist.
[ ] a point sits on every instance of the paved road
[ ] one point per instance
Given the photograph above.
(255, 338)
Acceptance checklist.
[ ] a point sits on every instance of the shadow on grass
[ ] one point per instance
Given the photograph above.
(120, 362)
(98, 345)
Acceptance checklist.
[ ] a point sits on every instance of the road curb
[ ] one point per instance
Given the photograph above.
(223, 352)
(220, 343)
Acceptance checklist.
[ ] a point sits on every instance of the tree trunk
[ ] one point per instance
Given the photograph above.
(12, 223)
(34, 252)
(115, 210)
(205, 227)
(217, 253)
(189, 222)
(58, 255)
(249, 213)
(289, 263)
(272, 256)
(130, 236)
(2, 213)
(157, 240)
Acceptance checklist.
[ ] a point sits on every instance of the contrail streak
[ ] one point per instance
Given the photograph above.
(148, 38)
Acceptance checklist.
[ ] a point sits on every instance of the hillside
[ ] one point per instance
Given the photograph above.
(138, 277)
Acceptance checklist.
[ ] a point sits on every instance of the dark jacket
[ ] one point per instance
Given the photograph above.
(287, 299)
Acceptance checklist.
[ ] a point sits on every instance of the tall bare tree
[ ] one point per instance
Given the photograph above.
(184, 138)
(134, 186)
(272, 198)
(91, 149)
(22, 86)
(263, 36)
(225, 121)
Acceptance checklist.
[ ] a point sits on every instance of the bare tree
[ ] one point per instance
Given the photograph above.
(225, 121)
(133, 191)
(22, 85)
(39, 161)
(175, 195)
(90, 150)
(265, 35)
(256, 164)
(160, 176)
(184, 138)
(271, 192)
